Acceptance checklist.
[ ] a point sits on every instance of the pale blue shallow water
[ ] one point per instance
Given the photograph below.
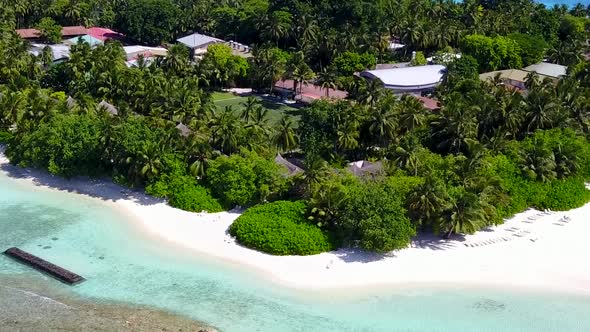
(122, 265)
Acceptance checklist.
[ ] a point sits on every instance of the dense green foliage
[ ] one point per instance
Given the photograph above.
(5, 136)
(222, 66)
(532, 48)
(492, 53)
(245, 179)
(373, 218)
(148, 21)
(67, 145)
(489, 152)
(279, 228)
(183, 192)
(50, 30)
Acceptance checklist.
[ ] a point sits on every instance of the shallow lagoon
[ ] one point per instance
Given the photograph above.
(122, 264)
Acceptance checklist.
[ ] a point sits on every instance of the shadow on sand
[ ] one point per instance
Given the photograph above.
(435, 242)
(360, 256)
(102, 188)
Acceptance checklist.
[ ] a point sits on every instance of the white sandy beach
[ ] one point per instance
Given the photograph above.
(533, 250)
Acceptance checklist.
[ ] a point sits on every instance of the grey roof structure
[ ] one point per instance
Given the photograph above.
(184, 130)
(58, 51)
(364, 168)
(547, 69)
(108, 108)
(291, 168)
(70, 102)
(197, 40)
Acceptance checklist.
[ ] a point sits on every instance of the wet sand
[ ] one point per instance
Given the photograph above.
(29, 305)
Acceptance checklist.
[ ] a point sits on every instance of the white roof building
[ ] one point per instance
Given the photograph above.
(547, 69)
(396, 46)
(58, 51)
(408, 79)
(133, 52)
(198, 42)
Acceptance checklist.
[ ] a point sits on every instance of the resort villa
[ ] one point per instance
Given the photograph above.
(516, 78)
(133, 52)
(94, 36)
(73, 32)
(408, 80)
(198, 43)
(547, 69)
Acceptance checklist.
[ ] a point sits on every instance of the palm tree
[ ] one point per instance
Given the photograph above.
(367, 92)
(197, 151)
(226, 131)
(465, 215)
(285, 137)
(298, 70)
(268, 66)
(566, 161)
(405, 156)
(454, 124)
(327, 79)
(73, 12)
(46, 56)
(307, 32)
(348, 136)
(565, 53)
(383, 121)
(177, 58)
(576, 100)
(249, 107)
(538, 162)
(428, 202)
(316, 169)
(12, 107)
(412, 113)
(543, 106)
(578, 10)
(146, 165)
(258, 128)
(278, 25)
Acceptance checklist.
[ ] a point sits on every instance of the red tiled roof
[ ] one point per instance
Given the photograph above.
(104, 33)
(73, 31)
(28, 33)
(65, 32)
(428, 103)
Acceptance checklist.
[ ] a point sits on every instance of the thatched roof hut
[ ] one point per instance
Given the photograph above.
(184, 130)
(108, 108)
(70, 102)
(291, 168)
(365, 168)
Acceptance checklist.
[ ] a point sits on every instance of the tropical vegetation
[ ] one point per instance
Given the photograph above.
(489, 151)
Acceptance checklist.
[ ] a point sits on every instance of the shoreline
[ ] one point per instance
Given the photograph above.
(532, 251)
(34, 305)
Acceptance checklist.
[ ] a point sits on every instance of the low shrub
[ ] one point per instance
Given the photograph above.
(183, 192)
(5, 136)
(562, 195)
(280, 228)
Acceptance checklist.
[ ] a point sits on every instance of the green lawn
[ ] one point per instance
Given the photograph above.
(275, 110)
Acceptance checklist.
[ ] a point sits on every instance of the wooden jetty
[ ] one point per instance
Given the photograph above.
(44, 266)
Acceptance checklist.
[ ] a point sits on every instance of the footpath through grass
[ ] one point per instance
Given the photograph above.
(275, 110)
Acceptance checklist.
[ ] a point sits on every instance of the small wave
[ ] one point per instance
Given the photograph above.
(35, 295)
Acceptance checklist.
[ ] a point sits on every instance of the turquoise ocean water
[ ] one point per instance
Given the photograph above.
(124, 265)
